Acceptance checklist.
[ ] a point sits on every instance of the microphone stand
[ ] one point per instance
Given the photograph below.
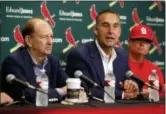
(90, 92)
(21, 102)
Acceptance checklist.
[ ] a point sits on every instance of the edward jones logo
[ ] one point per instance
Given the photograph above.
(70, 16)
(20, 10)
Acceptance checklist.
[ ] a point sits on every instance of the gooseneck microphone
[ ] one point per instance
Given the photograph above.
(130, 75)
(10, 78)
(79, 74)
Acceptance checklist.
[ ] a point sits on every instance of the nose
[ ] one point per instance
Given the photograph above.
(110, 29)
(50, 41)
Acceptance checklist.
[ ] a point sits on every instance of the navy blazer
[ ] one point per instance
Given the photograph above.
(88, 59)
(20, 64)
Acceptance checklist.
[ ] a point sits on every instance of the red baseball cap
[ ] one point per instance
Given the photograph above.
(141, 31)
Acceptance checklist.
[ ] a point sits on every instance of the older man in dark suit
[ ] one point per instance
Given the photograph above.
(27, 61)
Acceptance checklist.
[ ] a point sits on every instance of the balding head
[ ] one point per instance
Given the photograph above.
(29, 27)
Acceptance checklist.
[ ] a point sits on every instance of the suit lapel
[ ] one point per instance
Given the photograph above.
(29, 71)
(97, 63)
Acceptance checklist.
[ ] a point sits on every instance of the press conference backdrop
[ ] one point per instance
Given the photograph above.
(73, 21)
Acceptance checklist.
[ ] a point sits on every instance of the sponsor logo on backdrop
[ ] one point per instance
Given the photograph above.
(85, 40)
(93, 15)
(135, 18)
(70, 15)
(156, 4)
(46, 13)
(157, 46)
(57, 40)
(62, 63)
(18, 38)
(123, 19)
(70, 39)
(161, 64)
(121, 3)
(18, 12)
(154, 21)
(76, 1)
(4, 39)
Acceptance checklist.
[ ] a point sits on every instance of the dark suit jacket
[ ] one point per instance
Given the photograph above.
(20, 64)
(88, 59)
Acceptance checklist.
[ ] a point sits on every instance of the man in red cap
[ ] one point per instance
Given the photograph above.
(140, 39)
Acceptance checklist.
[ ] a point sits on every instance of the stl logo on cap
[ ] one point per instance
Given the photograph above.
(143, 30)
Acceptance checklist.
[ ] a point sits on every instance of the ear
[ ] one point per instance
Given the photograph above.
(95, 30)
(129, 43)
(28, 41)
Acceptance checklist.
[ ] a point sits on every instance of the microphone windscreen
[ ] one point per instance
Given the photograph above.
(77, 73)
(129, 74)
(9, 78)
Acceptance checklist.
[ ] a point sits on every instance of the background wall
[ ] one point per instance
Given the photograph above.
(72, 23)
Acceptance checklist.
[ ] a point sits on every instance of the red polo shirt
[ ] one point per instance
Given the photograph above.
(144, 69)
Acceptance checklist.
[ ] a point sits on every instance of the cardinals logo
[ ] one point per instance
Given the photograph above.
(156, 45)
(111, 4)
(76, 1)
(135, 18)
(93, 15)
(18, 37)
(45, 12)
(70, 39)
(156, 3)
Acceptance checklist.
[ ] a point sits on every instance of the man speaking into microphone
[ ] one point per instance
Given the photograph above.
(26, 63)
(102, 62)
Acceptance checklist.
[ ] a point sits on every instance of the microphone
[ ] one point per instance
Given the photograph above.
(11, 78)
(79, 74)
(129, 74)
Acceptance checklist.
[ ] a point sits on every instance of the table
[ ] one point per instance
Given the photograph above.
(93, 107)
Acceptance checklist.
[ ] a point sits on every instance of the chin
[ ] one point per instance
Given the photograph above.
(47, 53)
(110, 45)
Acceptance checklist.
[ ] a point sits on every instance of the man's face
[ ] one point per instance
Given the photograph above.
(139, 46)
(108, 30)
(42, 39)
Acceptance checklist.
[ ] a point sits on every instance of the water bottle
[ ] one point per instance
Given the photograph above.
(110, 89)
(154, 81)
(42, 82)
